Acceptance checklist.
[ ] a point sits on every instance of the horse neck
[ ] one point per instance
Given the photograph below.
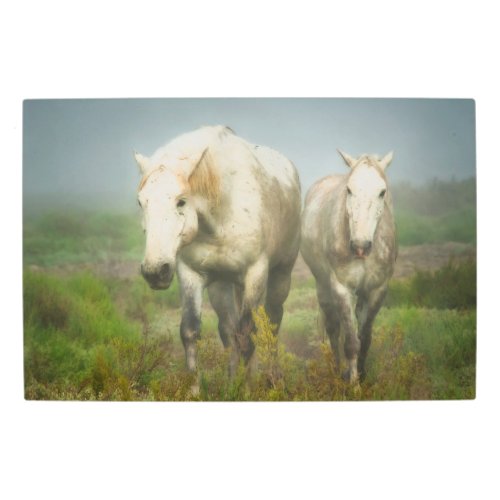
(207, 216)
(336, 220)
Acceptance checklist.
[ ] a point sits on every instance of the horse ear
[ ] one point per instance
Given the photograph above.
(386, 160)
(349, 160)
(142, 161)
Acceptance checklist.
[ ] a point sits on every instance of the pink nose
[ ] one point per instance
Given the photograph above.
(361, 248)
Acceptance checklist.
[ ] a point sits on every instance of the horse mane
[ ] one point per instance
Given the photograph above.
(203, 180)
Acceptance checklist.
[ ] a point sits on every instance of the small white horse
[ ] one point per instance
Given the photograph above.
(348, 241)
(224, 214)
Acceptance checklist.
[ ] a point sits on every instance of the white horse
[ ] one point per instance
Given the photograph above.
(348, 241)
(224, 214)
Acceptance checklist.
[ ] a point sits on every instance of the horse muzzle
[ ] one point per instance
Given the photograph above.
(159, 277)
(361, 248)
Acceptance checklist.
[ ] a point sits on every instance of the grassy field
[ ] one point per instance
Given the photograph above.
(92, 335)
(90, 338)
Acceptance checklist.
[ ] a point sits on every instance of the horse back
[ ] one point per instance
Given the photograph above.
(323, 188)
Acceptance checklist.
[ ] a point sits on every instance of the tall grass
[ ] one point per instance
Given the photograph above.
(78, 346)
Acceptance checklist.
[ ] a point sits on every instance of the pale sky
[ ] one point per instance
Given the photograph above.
(85, 147)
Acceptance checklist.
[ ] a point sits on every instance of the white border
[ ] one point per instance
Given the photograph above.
(221, 48)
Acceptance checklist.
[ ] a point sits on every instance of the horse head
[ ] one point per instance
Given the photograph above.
(365, 195)
(168, 194)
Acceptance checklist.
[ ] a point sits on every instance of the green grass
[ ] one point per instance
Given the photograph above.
(436, 212)
(89, 338)
(79, 346)
(415, 229)
(443, 342)
(77, 236)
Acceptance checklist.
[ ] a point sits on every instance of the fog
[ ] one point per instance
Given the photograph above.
(83, 149)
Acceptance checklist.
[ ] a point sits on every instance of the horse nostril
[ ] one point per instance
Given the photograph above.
(164, 271)
(361, 248)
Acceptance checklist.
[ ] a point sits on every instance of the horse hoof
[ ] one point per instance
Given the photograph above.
(348, 378)
(194, 390)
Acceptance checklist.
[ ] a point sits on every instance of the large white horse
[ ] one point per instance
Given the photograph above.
(224, 214)
(348, 241)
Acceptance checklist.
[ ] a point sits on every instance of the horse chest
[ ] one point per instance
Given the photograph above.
(214, 260)
(360, 275)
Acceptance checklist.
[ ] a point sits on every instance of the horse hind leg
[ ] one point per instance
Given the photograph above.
(252, 296)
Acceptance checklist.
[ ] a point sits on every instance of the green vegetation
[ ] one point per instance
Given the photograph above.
(415, 229)
(104, 336)
(436, 212)
(72, 236)
(78, 345)
(451, 287)
(87, 338)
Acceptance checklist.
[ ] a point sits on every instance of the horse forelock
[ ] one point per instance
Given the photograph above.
(147, 175)
(370, 161)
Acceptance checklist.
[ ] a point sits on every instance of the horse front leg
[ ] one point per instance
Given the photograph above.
(366, 317)
(254, 291)
(345, 303)
(223, 297)
(191, 285)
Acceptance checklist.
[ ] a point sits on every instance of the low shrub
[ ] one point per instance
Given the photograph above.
(451, 287)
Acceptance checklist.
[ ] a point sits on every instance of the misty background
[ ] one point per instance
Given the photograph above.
(81, 151)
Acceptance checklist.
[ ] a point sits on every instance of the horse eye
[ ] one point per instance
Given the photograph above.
(349, 191)
(382, 193)
(181, 203)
